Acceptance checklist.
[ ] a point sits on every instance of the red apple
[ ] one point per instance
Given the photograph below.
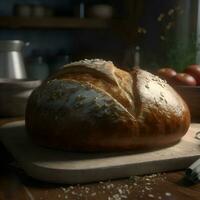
(167, 73)
(184, 79)
(194, 70)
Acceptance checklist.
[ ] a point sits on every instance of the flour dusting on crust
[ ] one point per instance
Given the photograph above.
(91, 62)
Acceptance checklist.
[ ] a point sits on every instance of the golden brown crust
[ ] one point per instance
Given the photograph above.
(93, 106)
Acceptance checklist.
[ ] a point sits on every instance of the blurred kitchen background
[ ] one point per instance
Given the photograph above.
(37, 37)
(129, 32)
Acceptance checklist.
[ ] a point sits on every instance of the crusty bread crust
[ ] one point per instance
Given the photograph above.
(91, 105)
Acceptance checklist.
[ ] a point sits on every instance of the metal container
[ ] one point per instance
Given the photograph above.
(11, 59)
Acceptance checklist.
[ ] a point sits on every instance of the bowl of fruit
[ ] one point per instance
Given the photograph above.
(187, 84)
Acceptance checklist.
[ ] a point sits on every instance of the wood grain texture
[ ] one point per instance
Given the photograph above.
(13, 181)
(65, 167)
(14, 186)
(191, 95)
(57, 22)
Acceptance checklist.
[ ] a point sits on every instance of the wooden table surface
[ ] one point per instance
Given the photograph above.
(15, 185)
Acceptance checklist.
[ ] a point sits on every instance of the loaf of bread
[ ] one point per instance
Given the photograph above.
(93, 106)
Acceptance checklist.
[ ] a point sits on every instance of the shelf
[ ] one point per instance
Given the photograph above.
(56, 23)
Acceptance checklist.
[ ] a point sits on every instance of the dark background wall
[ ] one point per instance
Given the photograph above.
(103, 43)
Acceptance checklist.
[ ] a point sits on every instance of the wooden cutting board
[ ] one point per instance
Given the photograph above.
(64, 167)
